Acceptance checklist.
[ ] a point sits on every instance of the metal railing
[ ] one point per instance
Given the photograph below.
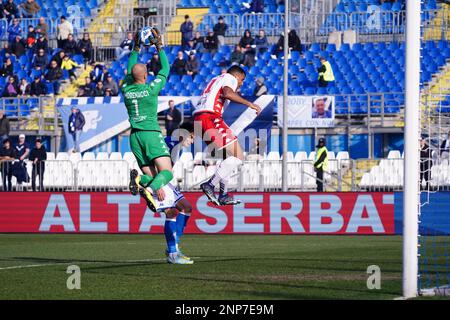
(313, 27)
(163, 7)
(254, 175)
(35, 114)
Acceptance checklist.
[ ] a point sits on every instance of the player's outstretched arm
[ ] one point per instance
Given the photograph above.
(134, 55)
(163, 74)
(229, 94)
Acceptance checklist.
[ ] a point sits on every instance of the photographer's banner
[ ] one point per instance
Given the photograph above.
(258, 213)
(307, 111)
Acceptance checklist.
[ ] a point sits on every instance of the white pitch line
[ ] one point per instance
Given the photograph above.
(84, 262)
(29, 266)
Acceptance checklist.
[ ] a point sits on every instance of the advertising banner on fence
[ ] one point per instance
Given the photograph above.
(308, 111)
(259, 213)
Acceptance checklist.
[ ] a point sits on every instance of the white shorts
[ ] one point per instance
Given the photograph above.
(171, 199)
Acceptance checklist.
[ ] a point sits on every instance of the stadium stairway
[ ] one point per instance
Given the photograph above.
(438, 22)
(49, 109)
(108, 27)
(362, 166)
(173, 35)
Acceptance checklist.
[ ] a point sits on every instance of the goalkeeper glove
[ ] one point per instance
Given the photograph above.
(157, 39)
(137, 41)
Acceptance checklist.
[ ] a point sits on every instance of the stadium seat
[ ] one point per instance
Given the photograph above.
(88, 156)
(62, 156)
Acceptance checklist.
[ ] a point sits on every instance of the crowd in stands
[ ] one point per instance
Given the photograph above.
(45, 67)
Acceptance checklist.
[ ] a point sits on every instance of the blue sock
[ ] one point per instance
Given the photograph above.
(170, 232)
(182, 220)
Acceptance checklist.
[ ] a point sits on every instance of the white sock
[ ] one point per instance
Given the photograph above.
(225, 169)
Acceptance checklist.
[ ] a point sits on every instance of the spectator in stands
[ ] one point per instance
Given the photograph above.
(14, 30)
(104, 75)
(321, 163)
(82, 93)
(6, 52)
(319, 111)
(257, 151)
(24, 88)
(11, 88)
(70, 47)
(219, 30)
(76, 124)
(154, 64)
(54, 74)
(99, 90)
(42, 27)
(69, 65)
(125, 47)
(63, 30)
(198, 42)
(38, 156)
(38, 88)
(89, 87)
(211, 44)
(41, 43)
(248, 44)
(293, 41)
(260, 88)
(172, 118)
(425, 163)
(261, 42)
(237, 56)
(18, 47)
(85, 47)
(186, 30)
(445, 147)
(58, 57)
(193, 66)
(29, 8)
(108, 92)
(7, 154)
(10, 10)
(189, 47)
(4, 127)
(98, 73)
(326, 74)
(111, 85)
(179, 65)
(7, 68)
(256, 6)
(20, 168)
(31, 37)
(40, 60)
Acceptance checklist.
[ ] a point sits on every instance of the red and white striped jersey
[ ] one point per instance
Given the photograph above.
(212, 97)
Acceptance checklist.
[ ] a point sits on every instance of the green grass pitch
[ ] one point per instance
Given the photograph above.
(226, 267)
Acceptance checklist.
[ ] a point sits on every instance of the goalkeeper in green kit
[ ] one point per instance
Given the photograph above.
(146, 140)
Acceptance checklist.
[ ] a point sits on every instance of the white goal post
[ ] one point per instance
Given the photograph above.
(411, 199)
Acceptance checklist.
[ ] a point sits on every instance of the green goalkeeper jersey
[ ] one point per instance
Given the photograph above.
(141, 100)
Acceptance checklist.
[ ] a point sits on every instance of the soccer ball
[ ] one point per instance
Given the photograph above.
(146, 35)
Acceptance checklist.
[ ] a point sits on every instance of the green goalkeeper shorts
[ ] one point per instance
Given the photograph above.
(147, 146)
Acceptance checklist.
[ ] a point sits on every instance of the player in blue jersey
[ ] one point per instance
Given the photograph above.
(171, 201)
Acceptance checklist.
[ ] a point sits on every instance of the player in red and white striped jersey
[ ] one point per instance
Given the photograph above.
(217, 95)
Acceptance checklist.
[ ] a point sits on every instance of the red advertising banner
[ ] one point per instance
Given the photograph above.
(259, 213)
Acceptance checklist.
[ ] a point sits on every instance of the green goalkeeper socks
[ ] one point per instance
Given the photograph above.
(161, 179)
(145, 180)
